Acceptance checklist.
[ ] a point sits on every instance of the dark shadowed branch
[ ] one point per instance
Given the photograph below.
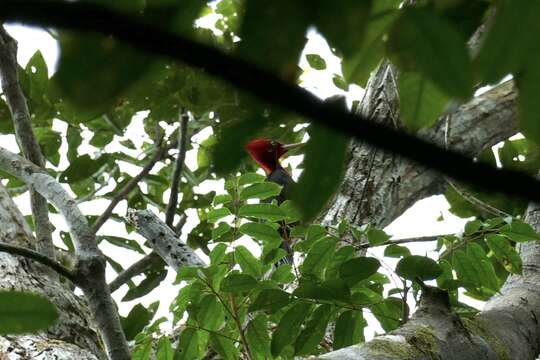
(40, 258)
(178, 167)
(135, 269)
(84, 16)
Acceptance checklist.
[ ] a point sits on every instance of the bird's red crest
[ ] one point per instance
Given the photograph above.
(266, 153)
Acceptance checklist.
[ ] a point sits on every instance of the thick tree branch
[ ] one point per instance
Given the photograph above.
(124, 192)
(83, 16)
(163, 240)
(178, 167)
(135, 269)
(40, 258)
(25, 135)
(90, 261)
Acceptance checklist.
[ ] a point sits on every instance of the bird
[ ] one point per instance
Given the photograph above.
(267, 154)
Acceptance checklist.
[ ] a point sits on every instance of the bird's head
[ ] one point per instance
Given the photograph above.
(268, 152)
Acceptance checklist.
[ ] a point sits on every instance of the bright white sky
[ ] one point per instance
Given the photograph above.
(420, 220)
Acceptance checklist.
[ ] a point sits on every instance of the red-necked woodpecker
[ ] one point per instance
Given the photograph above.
(267, 154)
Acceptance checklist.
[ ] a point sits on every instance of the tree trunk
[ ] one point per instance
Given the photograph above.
(378, 187)
(73, 335)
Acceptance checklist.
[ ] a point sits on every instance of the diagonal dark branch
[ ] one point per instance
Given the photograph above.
(40, 258)
(86, 17)
(25, 137)
(135, 269)
(121, 195)
(178, 167)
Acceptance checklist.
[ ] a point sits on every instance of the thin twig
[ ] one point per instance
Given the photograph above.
(25, 137)
(178, 167)
(121, 195)
(180, 224)
(40, 258)
(135, 269)
(401, 241)
(477, 202)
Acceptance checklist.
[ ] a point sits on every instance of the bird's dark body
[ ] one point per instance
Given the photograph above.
(281, 177)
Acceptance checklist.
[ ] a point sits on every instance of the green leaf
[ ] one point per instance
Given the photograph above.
(414, 266)
(528, 86)
(277, 50)
(319, 256)
(521, 232)
(238, 283)
(248, 263)
(418, 37)
(358, 269)
(349, 329)
(340, 82)
(357, 68)
(188, 344)
(153, 278)
(420, 101)
(250, 178)
(82, 168)
(510, 40)
(464, 268)
(268, 212)
(137, 319)
(93, 71)
(342, 22)
(396, 251)
(505, 253)
(332, 290)
(123, 243)
(210, 314)
(223, 346)
(22, 312)
(50, 142)
(164, 349)
(143, 350)
(260, 191)
(484, 269)
(289, 327)
(218, 253)
(222, 199)
(216, 214)
(314, 331)
(323, 170)
(377, 236)
(270, 300)
(283, 274)
(262, 232)
(316, 61)
(258, 338)
(222, 229)
(388, 313)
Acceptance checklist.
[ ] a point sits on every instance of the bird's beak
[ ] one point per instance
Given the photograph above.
(293, 146)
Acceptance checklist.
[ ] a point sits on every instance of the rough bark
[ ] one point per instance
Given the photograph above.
(379, 186)
(163, 240)
(73, 336)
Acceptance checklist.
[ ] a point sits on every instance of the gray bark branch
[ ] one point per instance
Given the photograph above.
(163, 239)
(20, 114)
